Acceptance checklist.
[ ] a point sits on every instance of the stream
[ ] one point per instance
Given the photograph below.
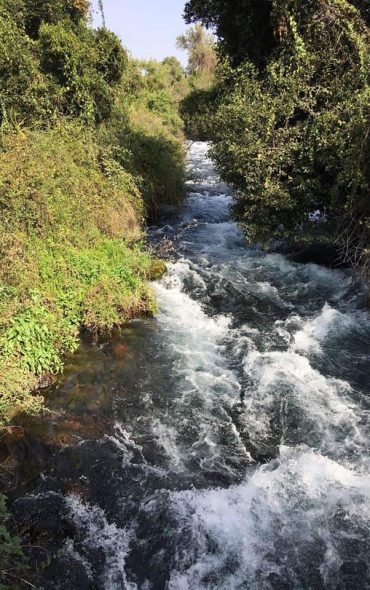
(222, 445)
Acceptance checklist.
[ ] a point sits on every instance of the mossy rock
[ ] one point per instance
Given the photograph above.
(157, 269)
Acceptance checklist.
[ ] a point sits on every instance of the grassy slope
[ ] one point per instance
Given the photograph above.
(70, 250)
(100, 150)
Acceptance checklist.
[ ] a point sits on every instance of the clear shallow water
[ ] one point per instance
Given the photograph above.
(235, 452)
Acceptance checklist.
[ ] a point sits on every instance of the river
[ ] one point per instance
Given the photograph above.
(226, 441)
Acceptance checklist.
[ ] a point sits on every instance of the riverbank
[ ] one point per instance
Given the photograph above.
(91, 146)
(72, 255)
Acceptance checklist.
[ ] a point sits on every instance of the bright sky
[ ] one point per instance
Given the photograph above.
(147, 28)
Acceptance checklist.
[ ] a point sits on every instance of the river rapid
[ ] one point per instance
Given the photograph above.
(234, 451)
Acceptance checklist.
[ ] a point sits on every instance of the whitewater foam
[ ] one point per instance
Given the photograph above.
(96, 533)
(277, 523)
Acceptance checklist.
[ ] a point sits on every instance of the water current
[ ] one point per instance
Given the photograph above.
(236, 451)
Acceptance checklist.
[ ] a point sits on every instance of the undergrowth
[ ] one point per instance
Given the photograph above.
(12, 559)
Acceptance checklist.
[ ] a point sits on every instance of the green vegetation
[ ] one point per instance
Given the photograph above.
(68, 250)
(202, 58)
(12, 559)
(91, 145)
(202, 63)
(151, 147)
(289, 117)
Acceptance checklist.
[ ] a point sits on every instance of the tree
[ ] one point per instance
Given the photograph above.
(243, 27)
(252, 29)
(37, 12)
(200, 46)
(175, 68)
(289, 117)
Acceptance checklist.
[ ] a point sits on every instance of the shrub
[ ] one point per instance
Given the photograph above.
(37, 12)
(12, 560)
(112, 59)
(73, 56)
(144, 134)
(52, 63)
(88, 147)
(196, 110)
(18, 72)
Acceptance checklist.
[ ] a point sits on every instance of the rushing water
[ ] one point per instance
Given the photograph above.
(235, 452)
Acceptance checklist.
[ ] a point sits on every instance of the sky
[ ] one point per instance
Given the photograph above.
(147, 28)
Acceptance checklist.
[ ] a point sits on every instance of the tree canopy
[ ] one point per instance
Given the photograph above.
(289, 117)
(200, 47)
(242, 26)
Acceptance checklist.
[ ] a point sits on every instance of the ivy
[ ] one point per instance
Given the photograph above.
(292, 136)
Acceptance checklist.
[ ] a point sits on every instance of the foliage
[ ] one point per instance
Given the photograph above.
(160, 88)
(52, 63)
(291, 131)
(242, 26)
(69, 258)
(112, 59)
(18, 72)
(91, 143)
(159, 159)
(36, 12)
(196, 110)
(202, 59)
(72, 57)
(249, 29)
(12, 559)
(15, 386)
(145, 133)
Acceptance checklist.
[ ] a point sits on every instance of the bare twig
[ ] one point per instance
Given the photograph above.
(20, 579)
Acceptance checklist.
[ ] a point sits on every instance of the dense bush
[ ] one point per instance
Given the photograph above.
(52, 63)
(36, 12)
(18, 72)
(291, 131)
(242, 26)
(197, 110)
(145, 131)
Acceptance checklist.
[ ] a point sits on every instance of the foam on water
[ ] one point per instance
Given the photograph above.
(197, 206)
(98, 534)
(295, 520)
(276, 524)
(167, 438)
(129, 449)
(207, 386)
(310, 407)
(193, 335)
(330, 322)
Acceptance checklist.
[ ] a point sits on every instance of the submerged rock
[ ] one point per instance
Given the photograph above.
(315, 253)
